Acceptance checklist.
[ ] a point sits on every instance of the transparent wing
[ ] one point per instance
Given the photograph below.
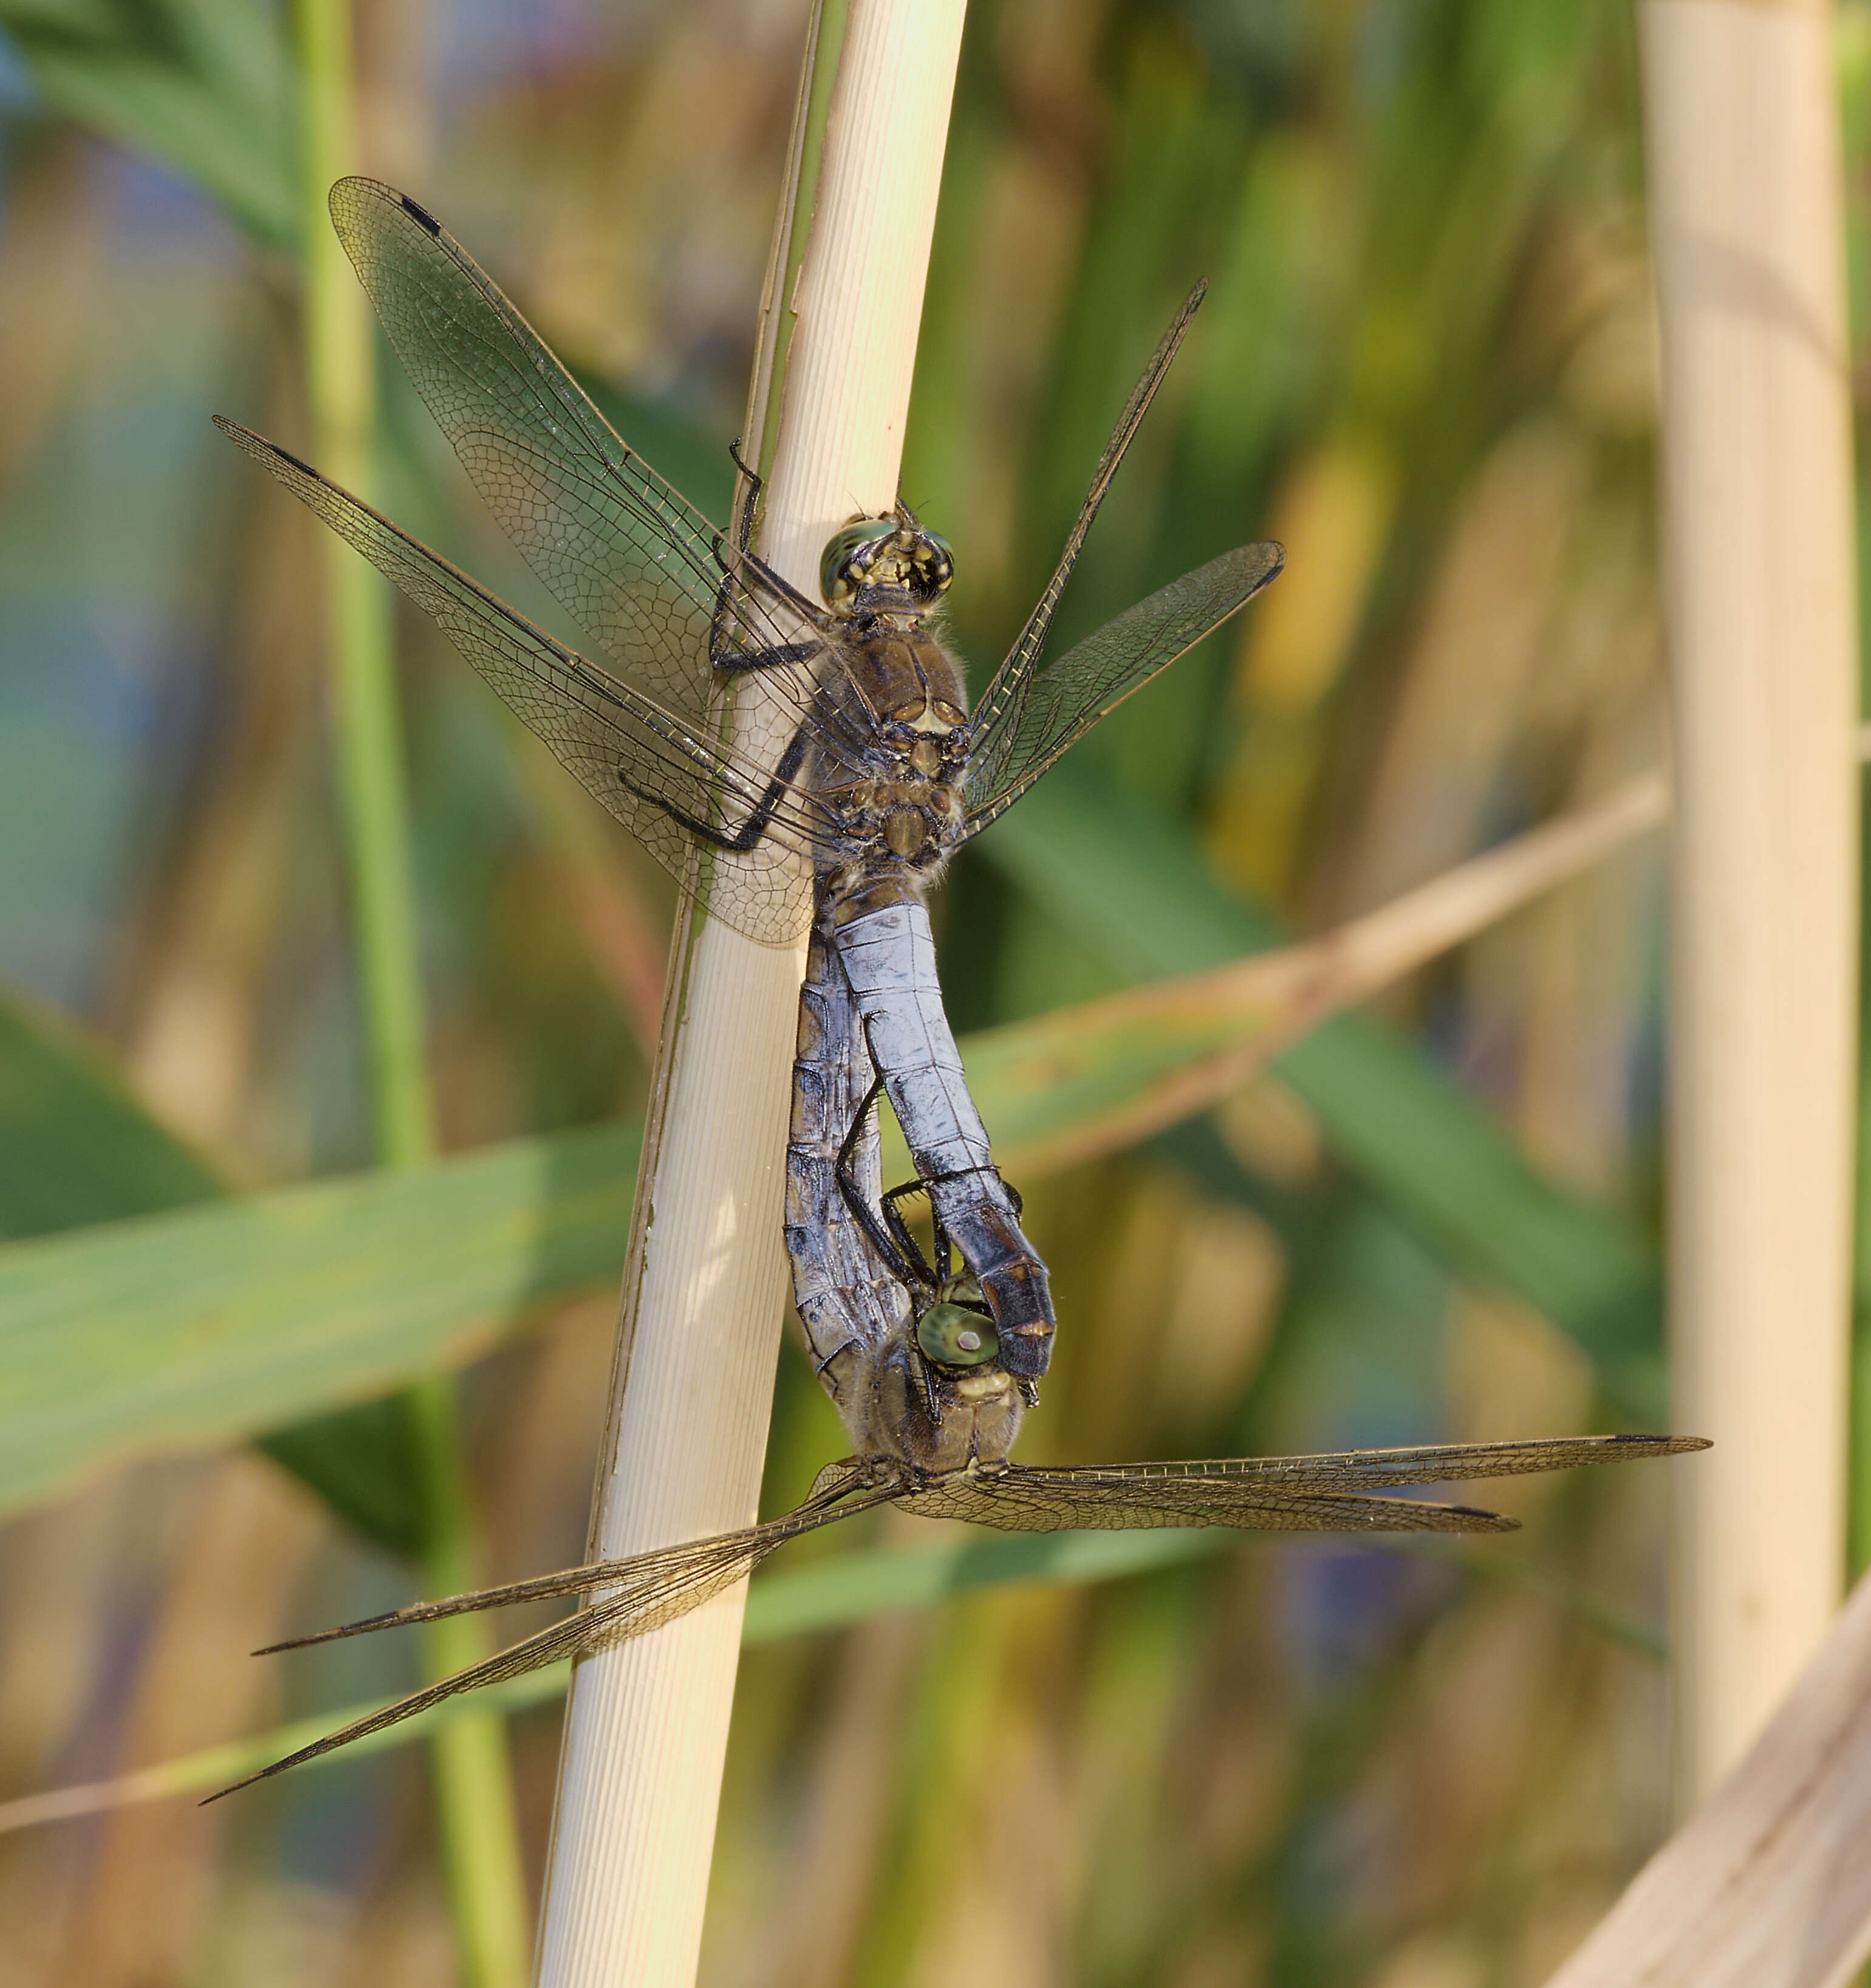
(643, 1592)
(1042, 715)
(1008, 687)
(615, 1619)
(1025, 1501)
(638, 758)
(1424, 1463)
(1276, 1494)
(641, 569)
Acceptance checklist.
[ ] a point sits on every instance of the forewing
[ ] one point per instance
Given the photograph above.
(638, 758)
(1021, 1500)
(613, 1619)
(641, 569)
(1359, 1471)
(1441, 1463)
(839, 1489)
(642, 1575)
(1008, 687)
(1017, 738)
(1273, 1493)
(641, 1593)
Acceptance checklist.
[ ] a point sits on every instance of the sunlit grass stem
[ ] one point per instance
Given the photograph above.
(476, 1825)
(646, 1728)
(1747, 227)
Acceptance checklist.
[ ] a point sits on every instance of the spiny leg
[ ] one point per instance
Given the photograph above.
(906, 1266)
(744, 662)
(721, 656)
(939, 1268)
(759, 819)
(754, 484)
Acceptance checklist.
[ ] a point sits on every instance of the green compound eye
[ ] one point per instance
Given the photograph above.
(848, 555)
(956, 1336)
(895, 554)
(934, 563)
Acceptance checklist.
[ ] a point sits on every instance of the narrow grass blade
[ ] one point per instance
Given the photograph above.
(211, 1324)
(1132, 886)
(79, 1149)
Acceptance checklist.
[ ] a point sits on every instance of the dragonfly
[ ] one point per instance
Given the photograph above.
(915, 1369)
(878, 774)
(747, 736)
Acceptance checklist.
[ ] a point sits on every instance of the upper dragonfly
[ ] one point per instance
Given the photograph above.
(680, 607)
(876, 773)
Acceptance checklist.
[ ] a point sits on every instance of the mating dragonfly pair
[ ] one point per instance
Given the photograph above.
(876, 773)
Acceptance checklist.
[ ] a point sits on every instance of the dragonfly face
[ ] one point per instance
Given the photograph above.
(893, 566)
(979, 1404)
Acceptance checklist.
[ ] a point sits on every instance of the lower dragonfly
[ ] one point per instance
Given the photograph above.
(908, 1350)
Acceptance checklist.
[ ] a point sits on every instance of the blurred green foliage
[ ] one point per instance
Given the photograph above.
(1424, 363)
(204, 86)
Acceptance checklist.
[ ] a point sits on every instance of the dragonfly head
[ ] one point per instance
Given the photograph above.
(958, 1330)
(925, 1398)
(885, 565)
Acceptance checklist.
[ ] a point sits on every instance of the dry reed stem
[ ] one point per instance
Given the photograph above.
(1767, 1884)
(647, 1730)
(1742, 136)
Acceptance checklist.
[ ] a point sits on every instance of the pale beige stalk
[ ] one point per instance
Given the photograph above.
(1767, 1884)
(646, 1729)
(1747, 235)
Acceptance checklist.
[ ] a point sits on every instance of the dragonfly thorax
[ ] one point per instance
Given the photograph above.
(911, 689)
(929, 1416)
(902, 815)
(899, 828)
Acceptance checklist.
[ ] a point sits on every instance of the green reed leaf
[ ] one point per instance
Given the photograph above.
(203, 85)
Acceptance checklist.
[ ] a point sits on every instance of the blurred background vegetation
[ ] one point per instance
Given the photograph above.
(1426, 365)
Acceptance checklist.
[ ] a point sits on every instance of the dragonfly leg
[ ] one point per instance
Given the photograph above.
(936, 1271)
(850, 1346)
(760, 818)
(742, 662)
(939, 1267)
(944, 1249)
(721, 655)
(740, 569)
(931, 1400)
(755, 483)
(887, 1238)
